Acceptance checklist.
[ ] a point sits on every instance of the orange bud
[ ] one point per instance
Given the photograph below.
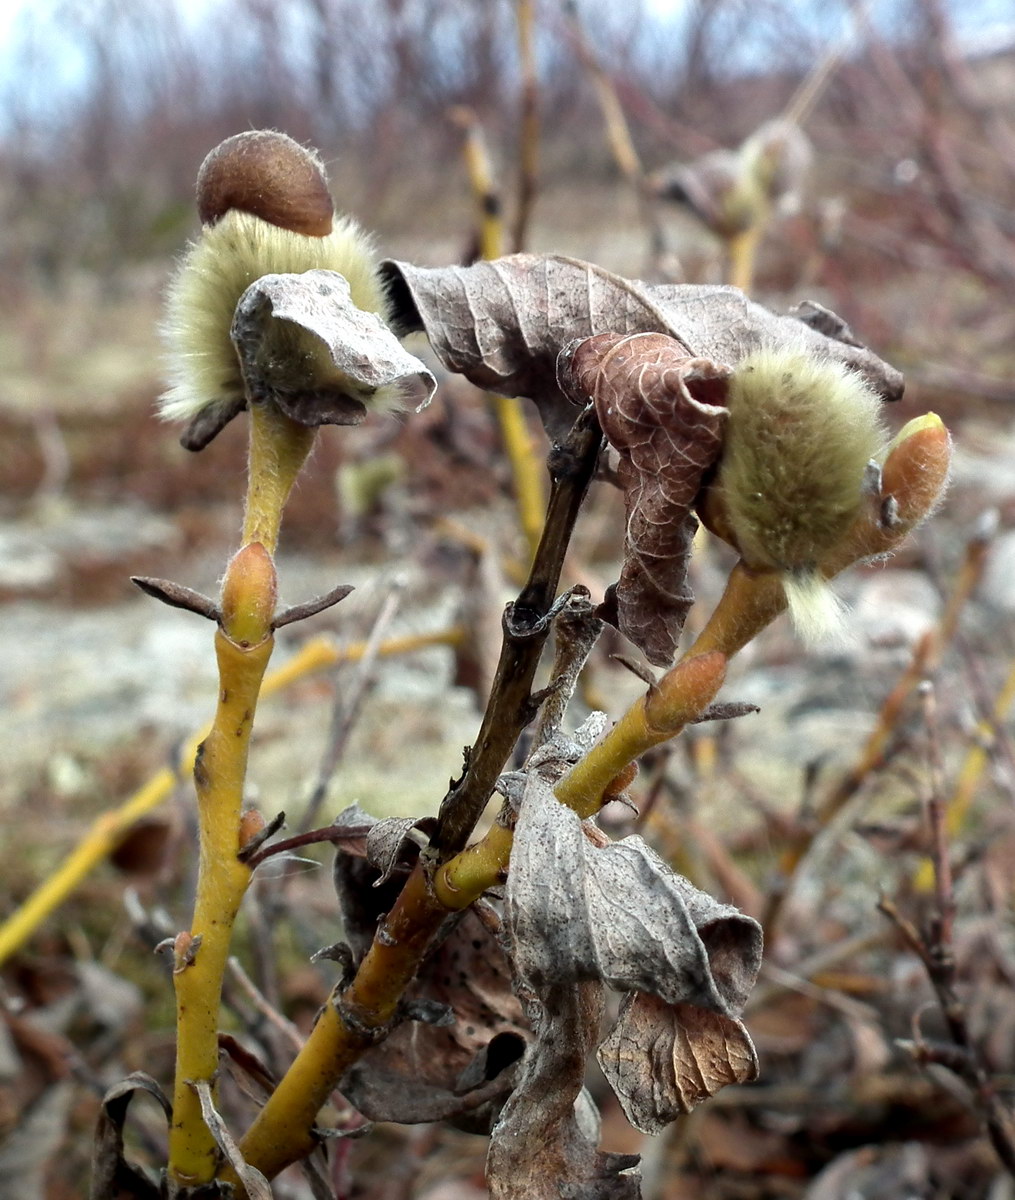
(185, 948)
(684, 692)
(251, 824)
(916, 469)
(621, 782)
(249, 594)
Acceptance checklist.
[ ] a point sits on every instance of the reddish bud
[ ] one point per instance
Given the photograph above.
(916, 469)
(249, 594)
(684, 692)
(251, 824)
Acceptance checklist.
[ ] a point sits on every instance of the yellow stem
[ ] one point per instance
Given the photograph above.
(526, 467)
(752, 600)
(346, 1026)
(219, 773)
(484, 187)
(278, 449)
(970, 774)
(742, 251)
(106, 833)
(464, 878)
(109, 829)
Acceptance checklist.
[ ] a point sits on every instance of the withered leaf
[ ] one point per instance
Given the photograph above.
(362, 899)
(391, 846)
(661, 1059)
(663, 411)
(539, 1149)
(502, 323)
(424, 1072)
(618, 913)
(112, 1175)
(364, 350)
(254, 1183)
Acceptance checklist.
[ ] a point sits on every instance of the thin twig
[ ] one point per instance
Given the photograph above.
(264, 1006)
(936, 952)
(878, 749)
(576, 630)
(618, 135)
(349, 705)
(109, 828)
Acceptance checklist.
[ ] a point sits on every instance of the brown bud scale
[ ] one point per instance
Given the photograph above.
(268, 175)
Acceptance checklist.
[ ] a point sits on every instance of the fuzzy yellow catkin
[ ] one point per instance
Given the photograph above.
(230, 254)
(802, 429)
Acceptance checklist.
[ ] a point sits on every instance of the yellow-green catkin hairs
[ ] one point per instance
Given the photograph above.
(265, 209)
(802, 430)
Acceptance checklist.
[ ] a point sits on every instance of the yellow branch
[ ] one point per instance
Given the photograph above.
(347, 1025)
(970, 774)
(526, 466)
(219, 772)
(278, 450)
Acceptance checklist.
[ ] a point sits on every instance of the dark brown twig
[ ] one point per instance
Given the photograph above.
(526, 625)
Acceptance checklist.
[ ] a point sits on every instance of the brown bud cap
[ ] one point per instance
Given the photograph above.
(270, 176)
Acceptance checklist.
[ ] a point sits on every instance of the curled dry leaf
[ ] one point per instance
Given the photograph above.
(255, 1186)
(391, 845)
(460, 1071)
(362, 897)
(539, 1149)
(662, 410)
(661, 1059)
(503, 323)
(425, 1072)
(617, 914)
(112, 1175)
(365, 356)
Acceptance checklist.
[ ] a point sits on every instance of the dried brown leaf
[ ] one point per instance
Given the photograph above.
(112, 1175)
(361, 901)
(619, 914)
(662, 410)
(661, 1060)
(254, 1183)
(539, 1149)
(391, 847)
(503, 323)
(367, 356)
(424, 1072)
